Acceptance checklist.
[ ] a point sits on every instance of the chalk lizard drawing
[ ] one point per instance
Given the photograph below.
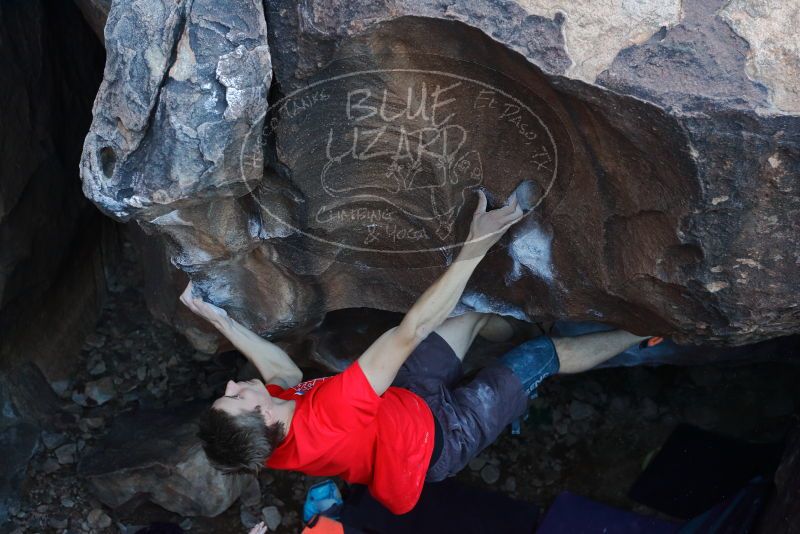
(447, 176)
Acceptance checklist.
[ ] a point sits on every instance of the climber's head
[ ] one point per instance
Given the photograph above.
(242, 428)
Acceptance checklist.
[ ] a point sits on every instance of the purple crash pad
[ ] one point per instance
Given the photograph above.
(573, 514)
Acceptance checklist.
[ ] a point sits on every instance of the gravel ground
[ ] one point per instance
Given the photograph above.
(590, 433)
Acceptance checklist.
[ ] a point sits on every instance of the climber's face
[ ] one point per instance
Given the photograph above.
(245, 396)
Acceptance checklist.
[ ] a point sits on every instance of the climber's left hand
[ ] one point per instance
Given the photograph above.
(213, 314)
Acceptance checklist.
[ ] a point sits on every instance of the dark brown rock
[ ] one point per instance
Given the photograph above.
(156, 455)
(52, 244)
(666, 176)
(782, 513)
(95, 12)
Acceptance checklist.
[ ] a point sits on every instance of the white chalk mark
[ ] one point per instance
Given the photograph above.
(532, 251)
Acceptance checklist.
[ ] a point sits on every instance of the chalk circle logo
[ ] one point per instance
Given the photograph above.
(388, 161)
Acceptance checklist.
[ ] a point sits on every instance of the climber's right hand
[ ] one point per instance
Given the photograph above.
(489, 226)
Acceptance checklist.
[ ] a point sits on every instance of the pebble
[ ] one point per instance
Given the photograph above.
(98, 368)
(156, 371)
(291, 518)
(61, 387)
(251, 494)
(57, 523)
(95, 340)
(510, 484)
(477, 463)
(97, 518)
(202, 356)
(579, 410)
(93, 422)
(101, 391)
(562, 427)
(52, 440)
(272, 517)
(619, 404)
(66, 453)
(248, 519)
(79, 398)
(550, 477)
(50, 466)
(585, 395)
(66, 502)
(490, 474)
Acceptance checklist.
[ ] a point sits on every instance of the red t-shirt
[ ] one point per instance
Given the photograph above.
(341, 427)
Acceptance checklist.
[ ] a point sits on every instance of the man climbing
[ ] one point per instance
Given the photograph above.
(396, 417)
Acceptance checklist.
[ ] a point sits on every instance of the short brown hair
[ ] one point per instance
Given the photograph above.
(238, 443)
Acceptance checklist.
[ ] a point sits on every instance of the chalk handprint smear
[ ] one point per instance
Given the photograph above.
(388, 160)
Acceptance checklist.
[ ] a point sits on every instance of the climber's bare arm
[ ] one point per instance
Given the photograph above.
(383, 358)
(275, 366)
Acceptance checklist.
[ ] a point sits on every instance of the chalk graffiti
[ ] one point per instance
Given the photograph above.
(392, 156)
(421, 148)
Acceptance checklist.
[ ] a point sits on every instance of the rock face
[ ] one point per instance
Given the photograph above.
(663, 143)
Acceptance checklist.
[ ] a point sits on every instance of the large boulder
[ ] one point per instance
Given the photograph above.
(155, 455)
(662, 140)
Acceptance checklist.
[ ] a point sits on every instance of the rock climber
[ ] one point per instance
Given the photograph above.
(397, 417)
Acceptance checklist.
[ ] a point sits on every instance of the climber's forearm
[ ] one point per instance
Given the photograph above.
(383, 359)
(439, 300)
(435, 305)
(272, 362)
